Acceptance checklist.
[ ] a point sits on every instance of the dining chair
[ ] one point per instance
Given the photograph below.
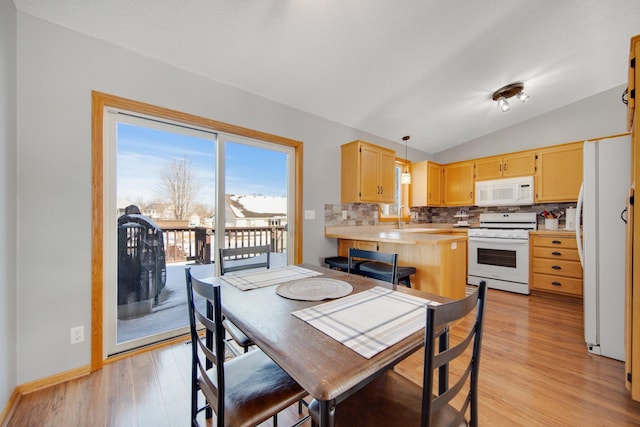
(360, 257)
(237, 259)
(242, 391)
(342, 263)
(453, 340)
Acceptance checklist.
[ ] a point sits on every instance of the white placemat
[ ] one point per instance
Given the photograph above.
(370, 321)
(261, 277)
(314, 289)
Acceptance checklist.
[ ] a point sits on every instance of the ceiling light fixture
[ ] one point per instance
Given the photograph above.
(509, 91)
(405, 178)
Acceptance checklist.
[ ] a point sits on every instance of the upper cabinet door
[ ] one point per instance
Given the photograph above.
(434, 184)
(369, 174)
(559, 173)
(426, 184)
(489, 168)
(458, 184)
(519, 164)
(387, 178)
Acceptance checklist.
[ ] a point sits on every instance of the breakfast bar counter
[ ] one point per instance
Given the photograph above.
(439, 254)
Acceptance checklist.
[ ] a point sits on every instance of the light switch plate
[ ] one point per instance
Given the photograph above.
(309, 214)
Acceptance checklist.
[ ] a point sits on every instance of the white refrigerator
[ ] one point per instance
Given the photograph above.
(602, 202)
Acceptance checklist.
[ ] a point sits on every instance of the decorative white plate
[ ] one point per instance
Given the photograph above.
(314, 289)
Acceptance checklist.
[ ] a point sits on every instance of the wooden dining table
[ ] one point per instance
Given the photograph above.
(327, 369)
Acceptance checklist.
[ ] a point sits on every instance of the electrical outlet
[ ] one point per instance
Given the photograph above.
(344, 214)
(77, 334)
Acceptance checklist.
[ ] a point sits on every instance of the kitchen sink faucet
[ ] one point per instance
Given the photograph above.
(400, 214)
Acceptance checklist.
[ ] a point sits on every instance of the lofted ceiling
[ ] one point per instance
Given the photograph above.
(425, 68)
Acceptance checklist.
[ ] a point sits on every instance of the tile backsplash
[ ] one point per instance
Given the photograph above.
(367, 213)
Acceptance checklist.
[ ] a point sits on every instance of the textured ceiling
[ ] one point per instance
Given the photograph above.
(425, 68)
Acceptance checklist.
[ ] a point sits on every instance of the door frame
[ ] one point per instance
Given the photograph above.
(101, 101)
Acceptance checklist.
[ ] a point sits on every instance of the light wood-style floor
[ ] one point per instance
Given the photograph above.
(535, 371)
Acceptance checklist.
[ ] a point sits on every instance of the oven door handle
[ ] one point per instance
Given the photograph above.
(494, 241)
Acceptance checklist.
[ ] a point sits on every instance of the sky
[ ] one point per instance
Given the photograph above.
(143, 153)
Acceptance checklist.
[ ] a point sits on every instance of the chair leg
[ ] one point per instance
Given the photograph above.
(275, 420)
(405, 281)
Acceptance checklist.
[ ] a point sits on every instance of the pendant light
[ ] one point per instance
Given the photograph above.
(405, 178)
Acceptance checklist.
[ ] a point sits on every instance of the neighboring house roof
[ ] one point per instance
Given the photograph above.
(243, 206)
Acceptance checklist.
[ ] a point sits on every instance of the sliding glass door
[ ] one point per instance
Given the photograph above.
(164, 181)
(166, 208)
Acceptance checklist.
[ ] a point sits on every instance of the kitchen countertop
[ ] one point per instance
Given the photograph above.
(429, 234)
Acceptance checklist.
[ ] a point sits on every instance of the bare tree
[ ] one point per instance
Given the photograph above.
(179, 186)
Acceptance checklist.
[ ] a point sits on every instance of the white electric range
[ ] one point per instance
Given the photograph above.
(499, 251)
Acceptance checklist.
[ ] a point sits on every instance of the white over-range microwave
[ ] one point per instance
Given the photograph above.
(505, 192)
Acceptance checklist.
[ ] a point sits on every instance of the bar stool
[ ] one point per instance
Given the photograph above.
(381, 268)
(337, 263)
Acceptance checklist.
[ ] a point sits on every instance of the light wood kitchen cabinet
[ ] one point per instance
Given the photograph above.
(368, 173)
(459, 184)
(555, 265)
(506, 166)
(345, 244)
(558, 173)
(426, 184)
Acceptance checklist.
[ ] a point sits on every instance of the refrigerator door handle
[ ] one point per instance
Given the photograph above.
(579, 226)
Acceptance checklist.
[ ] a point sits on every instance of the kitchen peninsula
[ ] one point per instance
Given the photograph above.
(438, 254)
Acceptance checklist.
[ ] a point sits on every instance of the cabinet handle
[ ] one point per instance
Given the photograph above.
(556, 253)
(471, 194)
(556, 242)
(556, 283)
(505, 167)
(556, 267)
(500, 167)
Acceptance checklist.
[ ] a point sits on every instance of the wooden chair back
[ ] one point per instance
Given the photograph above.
(361, 255)
(446, 324)
(210, 352)
(235, 259)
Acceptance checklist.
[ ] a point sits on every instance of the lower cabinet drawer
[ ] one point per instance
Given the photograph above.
(566, 285)
(556, 253)
(557, 267)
